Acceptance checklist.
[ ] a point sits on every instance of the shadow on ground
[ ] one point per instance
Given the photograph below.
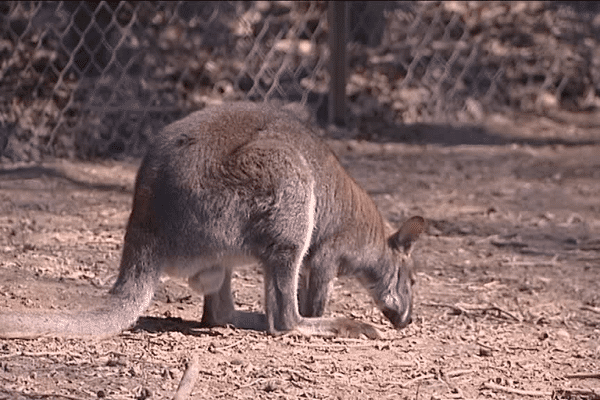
(448, 135)
(187, 327)
(36, 172)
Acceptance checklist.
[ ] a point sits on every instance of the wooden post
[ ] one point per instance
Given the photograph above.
(337, 17)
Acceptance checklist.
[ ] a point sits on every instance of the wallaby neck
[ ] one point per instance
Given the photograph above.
(345, 209)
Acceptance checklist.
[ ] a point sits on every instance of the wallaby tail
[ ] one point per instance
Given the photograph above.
(128, 299)
(100, 322)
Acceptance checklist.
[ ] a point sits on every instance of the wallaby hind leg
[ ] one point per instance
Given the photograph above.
(218, 306)
(219, 309)
(281, 275)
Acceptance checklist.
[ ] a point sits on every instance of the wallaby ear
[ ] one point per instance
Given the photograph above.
(408, 233)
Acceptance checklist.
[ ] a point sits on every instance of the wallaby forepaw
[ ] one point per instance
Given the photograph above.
(355, 329)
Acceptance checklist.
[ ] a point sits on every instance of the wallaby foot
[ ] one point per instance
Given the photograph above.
(337, 327)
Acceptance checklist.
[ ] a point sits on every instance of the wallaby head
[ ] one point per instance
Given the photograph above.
(242, 183)
(383, 264)
(394, 294)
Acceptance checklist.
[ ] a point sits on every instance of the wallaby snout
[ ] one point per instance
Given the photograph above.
(398, 320)
(396, 304)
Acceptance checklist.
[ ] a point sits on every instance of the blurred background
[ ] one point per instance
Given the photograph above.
(98, 79)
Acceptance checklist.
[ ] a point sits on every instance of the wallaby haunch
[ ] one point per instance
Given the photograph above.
(243, 183)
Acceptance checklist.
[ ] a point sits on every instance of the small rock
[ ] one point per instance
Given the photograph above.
(562, 334)
(484, 352)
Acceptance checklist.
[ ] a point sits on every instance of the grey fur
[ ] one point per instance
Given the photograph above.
(243, 183)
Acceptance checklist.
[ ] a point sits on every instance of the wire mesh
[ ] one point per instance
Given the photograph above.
(87, 79)
(93, 79)
(462, 61)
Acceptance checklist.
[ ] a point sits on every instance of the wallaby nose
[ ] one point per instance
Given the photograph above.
(404, 323)
(398, 320)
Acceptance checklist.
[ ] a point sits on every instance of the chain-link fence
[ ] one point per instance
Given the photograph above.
(93, 79)
(462, 61)
(86, 78)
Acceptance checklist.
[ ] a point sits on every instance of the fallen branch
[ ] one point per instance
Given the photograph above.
(32, 395)
(494, 386)
(334, 346)
(228, 393)
(580, 393)
(458, 310)
(458, 372)
(229, 346)
(247, 385)
(467, 309)
(583, 375)
(41, 354)
(407, 384)
(485, 308)
(478, 343)
(591, 309)
(501, 311)
(188, 380)
(297, 374)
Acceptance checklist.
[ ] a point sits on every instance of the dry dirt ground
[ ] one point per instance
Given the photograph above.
(507, 303)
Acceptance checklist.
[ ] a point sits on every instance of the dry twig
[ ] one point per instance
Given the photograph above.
(247, 385)
(417, 379)
(458, 310)
(502, 311)
(458, 372)
(591, 309)
(583, 375)
(229, 346)
(494, 386)
(297, 374)
(51, 396)
(228, 393)
(467, 309)
(188, 380)
(334, 346)
(40, 354)
(580, 393)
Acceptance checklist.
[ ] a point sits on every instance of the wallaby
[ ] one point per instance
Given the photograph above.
(243, 183)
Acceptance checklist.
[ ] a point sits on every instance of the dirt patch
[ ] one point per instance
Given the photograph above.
(507, 302)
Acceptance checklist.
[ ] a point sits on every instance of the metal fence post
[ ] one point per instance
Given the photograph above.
(337, 16)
